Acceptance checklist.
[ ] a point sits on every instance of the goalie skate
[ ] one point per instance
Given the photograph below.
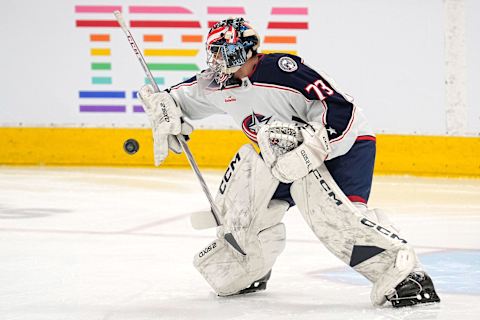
(415, 289)
(259, 285)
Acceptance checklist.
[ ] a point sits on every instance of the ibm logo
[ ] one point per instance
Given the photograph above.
(157, 28)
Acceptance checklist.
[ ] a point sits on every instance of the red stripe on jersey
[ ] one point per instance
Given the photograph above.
(183, 85)
(366, 138)
(355, 198)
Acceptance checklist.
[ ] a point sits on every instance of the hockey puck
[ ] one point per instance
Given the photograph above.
(131, 146)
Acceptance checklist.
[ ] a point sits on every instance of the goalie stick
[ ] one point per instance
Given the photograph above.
(214, 211)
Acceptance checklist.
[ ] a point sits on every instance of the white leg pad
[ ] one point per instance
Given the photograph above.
(367, 246)
(228, 272)
(252, 218)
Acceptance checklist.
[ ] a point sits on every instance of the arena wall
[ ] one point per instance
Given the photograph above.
(69, 78)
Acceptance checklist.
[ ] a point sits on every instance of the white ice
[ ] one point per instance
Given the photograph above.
(103, 243)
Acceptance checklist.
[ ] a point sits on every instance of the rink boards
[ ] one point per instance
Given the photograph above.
(396, 154)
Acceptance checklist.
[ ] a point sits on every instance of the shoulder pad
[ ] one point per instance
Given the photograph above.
(285, 70)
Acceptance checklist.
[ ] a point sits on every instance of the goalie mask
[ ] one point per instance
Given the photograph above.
(230, 43)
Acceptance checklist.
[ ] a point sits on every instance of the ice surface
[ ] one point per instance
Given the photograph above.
(102, 243)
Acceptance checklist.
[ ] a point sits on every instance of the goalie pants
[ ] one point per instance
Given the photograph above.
(352, 172)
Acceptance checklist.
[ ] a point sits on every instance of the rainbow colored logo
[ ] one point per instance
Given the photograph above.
(163, 60)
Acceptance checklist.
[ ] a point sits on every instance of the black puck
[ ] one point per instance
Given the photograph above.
(131, 146)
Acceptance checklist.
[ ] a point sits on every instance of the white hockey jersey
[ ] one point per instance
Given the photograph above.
(283, 88)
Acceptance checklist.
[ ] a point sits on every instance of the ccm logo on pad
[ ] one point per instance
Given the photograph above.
(326, 187)
(381, 229)
(228, 173)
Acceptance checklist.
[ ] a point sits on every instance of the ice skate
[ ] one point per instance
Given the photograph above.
(259, 285)
(417, 288)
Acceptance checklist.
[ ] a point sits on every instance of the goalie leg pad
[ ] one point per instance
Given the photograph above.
(228, 272)
(371, 249)
(246, 184)
(249, 216)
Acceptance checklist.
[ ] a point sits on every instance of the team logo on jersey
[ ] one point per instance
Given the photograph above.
(287, 64)
(252, 124)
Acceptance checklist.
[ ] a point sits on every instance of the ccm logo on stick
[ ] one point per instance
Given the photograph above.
(229, 172)
(207, 249)
(326, 187)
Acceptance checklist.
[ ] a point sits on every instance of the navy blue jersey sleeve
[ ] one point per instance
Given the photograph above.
(289, 71)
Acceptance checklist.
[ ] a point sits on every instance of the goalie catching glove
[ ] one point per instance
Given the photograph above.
(166, 121)
(292, 151)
